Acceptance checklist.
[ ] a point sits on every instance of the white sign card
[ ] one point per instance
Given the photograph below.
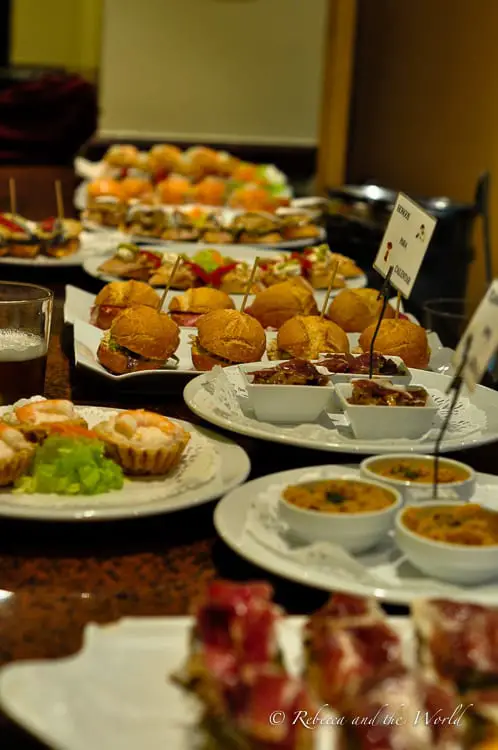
(483, 330)
(405, 244)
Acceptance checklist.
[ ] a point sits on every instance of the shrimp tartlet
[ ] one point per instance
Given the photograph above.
(16, 454)
(35, 420)
(143, 442)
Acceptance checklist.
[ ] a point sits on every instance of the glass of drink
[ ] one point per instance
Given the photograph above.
(25, 320)
(448, 318)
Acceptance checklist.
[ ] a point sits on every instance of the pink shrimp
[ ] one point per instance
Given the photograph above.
(128, 422)
(43, 412)
(13, 438)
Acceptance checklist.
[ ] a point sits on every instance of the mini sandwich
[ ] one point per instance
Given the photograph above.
(399, 338)
(132, 262)
(257, 228)
(281, 302)
(60, 238)
(356, 309)
(21, 236)
(297, 225)
(227, 337)
(180, 230)
(281, 269)
(184, 277)
(308, 336)
(145, 221)
(118, 296)
(106, 205)
(140, 338)
(121, 156)
(319, 264)
(236, 280)
(187, 308)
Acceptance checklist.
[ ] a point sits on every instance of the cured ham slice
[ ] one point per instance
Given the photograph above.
(404, 712)
(458, 642)
(349, 643)
(234, 670)
(234, 634)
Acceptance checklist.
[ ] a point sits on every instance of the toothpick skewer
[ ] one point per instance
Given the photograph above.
(60, 202)
(178, 262)
(329, 290)
(12, 194)
(249, 285)
(398, 305)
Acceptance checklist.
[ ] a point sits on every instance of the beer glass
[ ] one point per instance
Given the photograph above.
(448, 318)
(25, 319)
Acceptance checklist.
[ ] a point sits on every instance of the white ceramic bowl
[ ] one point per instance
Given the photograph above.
(403, 378)
(411, 491)
(355, 532)
(385, 422)
(285, 404)
(454, 563)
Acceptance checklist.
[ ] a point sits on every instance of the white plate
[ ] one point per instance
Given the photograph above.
(220, 398)
(382, 573)
(137, 238)
(247, 254)
(115, 693)
(78, 303)
(223, 463)
(89, 245)
(87, 339)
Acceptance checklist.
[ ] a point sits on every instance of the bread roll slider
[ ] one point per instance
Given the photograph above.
(121, 156)
(60, 237)
(106, 204)
(187, 308)
(281, 302)
(356, 309)
(308, 336)
(140, 338)
(164, 158)
(132, 262)
(227, 337)
(399, 338)
(116, 297)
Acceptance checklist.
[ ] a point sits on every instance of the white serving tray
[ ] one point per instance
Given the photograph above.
(115, 693)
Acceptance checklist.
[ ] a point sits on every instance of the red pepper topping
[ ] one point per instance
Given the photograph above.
(211, 278)
(12, 226)
(48, 225)
(151, 258)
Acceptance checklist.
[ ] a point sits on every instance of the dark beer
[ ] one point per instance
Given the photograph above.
(23, 359)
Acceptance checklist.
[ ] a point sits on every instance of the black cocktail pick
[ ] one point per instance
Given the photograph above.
(384, 293)
(455, 386)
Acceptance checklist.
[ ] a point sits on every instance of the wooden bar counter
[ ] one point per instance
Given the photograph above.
(56, 577)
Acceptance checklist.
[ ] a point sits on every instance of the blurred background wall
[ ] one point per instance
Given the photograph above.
(211, 70)
(420, 114)
(424, 110)
(64, 33)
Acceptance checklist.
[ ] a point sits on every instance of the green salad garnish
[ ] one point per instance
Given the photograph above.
(209, 260)
(66, 466)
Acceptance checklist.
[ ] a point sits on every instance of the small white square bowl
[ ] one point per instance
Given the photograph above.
(285, 404)
(386, 422)
(402, 379)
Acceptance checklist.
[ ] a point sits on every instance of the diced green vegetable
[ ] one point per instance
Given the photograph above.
(68, 466)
